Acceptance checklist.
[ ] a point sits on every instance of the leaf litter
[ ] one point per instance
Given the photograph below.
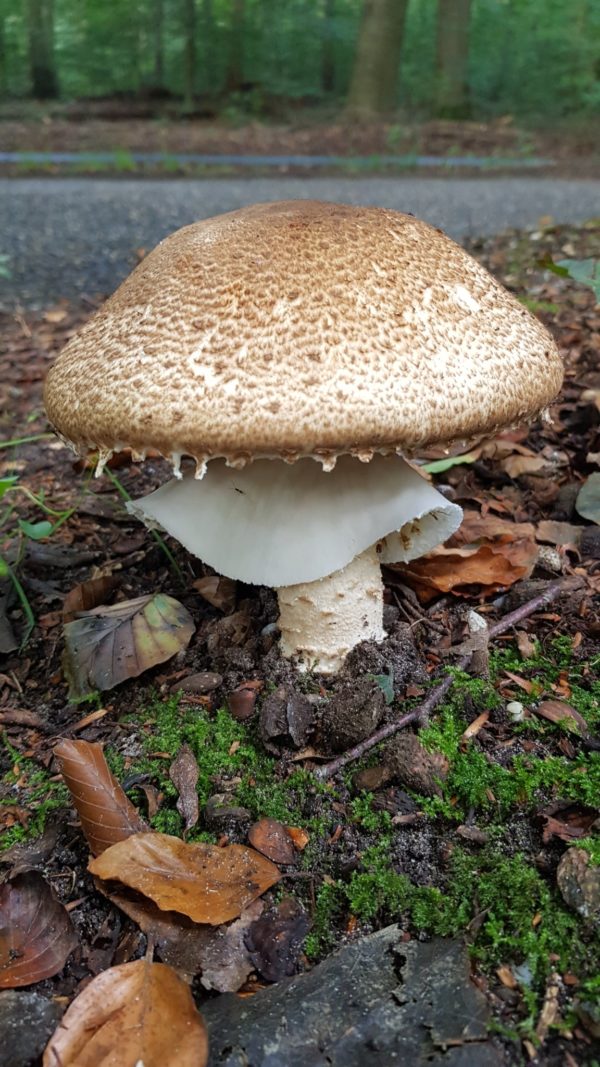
(520, 495)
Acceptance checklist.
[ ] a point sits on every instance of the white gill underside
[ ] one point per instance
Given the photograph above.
(281, 524)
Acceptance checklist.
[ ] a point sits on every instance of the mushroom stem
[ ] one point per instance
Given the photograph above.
(321, 621)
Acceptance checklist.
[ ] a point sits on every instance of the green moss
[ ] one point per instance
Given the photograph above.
(521, 919)
(37, 792)
(222, 747)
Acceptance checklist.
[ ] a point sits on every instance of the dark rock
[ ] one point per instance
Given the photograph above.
(27, 1022)
(378, 1002)
(414, 766)
(286, 717)
(352, 714)
(223, 817)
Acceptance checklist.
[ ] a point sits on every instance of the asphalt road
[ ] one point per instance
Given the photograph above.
(66, 237)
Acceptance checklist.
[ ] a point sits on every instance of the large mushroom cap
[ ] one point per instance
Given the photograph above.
(302, 328)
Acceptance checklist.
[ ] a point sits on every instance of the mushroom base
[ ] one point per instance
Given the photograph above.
(321, 621)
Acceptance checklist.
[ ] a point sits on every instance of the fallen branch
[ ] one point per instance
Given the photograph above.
(423, 711)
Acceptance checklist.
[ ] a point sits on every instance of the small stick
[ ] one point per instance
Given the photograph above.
(422, 713)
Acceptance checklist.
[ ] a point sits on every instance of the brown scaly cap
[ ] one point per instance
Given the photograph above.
(301, 328)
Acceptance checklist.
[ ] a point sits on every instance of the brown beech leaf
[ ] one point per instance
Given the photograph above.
(275, 940)
(108, 645)
(209, 884)
(106, 814)
(218, 591)
(36, 933)
(137, 1013)
(88, 595)
(485, 568)
(217, 952)
(560, 711)
(273, 840)
(183, 773)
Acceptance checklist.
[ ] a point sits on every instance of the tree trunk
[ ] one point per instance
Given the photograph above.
(235, 67)
(327, 54)
(452, 45)
(374, 80)
(189, 55)
(40, 31)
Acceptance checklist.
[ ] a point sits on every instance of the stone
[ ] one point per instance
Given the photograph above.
(379, 1001)
(27, 1022)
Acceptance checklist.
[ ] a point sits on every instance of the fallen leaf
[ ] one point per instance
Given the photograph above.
(299, 836)
(218, 591)
(559, 711)
(218, 953)
(273, 840)
(557, 533)
(24, 855)
(474, 727)
(241, 702)
(573, 825)
(137, 1013)
(108, 645)
(226, 961)
(36, 933)
(106, 814)
(516, 465)
(275, 940)
(88, 595)
(526, 645)
(459, 571)
(183, 773)
(507, 977)
(476, 527)
(587, 503)
(207, 883)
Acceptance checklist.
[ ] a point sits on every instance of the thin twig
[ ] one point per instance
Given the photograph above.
(422, 712)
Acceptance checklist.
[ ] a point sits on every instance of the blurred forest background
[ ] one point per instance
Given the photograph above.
(537, 60)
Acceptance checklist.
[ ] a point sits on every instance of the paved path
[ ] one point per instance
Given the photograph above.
(69, 236)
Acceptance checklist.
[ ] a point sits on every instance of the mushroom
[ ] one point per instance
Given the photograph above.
(296, 352)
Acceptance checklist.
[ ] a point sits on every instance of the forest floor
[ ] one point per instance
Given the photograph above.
(481, 827)
(110, 126)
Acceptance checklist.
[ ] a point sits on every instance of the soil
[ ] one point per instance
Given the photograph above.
(289, 721)
(111, 125)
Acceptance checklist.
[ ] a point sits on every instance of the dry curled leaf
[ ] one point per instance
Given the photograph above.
(207, 883)
(107, 816)
(88, 595)
(108, 645)
(461, 571)
(559, 711)
(273, 840)
(218, 591)
(137, 1013)
(183, 773)
(36, 932)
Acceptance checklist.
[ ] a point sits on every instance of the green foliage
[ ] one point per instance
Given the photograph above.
(527, 57)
